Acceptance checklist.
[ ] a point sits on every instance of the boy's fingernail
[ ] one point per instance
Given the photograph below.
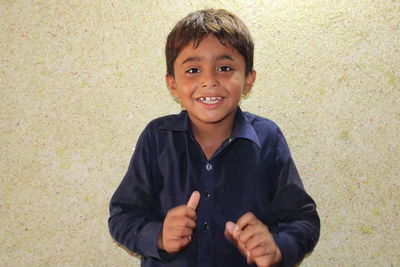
(248, 257)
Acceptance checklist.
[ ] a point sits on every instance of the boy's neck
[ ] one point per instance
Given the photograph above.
(210, 136)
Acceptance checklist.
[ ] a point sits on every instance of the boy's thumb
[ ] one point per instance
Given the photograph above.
(194, 200)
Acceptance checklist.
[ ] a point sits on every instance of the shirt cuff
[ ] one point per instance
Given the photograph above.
(149, 234)
(287, 247)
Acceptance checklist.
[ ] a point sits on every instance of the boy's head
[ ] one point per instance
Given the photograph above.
(227, 27)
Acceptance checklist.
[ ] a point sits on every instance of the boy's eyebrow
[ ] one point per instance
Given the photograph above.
(191, 59)
(229, 57)
(219, 57)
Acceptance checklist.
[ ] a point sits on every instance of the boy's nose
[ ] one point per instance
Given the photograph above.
(209, 79)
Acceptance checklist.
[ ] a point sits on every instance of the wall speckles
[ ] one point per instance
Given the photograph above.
(79, 82)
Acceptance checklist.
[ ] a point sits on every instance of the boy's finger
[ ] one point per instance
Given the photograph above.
(248, 256)
(247, 218)
(229, 228)
(236, 231)
(247, 233)
(231, 232)
(194, 200)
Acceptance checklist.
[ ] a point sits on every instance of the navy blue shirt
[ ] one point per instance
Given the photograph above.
(252, 171)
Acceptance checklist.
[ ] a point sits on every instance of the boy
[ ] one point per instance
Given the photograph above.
(212, 186)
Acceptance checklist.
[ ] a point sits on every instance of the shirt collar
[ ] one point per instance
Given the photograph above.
(242, 127)
(179, 122)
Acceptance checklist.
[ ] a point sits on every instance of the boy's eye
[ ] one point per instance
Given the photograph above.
(193, 70)
(224, 68)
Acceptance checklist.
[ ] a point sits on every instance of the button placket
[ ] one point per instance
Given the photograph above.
(206, 226)
(207, 189)
(209, 166)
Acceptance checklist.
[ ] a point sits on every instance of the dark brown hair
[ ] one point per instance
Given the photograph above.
(228, 28)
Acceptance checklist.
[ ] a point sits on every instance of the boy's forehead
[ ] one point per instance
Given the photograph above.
(209, 46)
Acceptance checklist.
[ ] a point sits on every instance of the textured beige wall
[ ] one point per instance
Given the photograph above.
(80, 79)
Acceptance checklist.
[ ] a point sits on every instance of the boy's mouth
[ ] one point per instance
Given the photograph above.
(209, 100)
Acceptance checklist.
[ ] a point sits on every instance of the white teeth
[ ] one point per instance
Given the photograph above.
(210, 99)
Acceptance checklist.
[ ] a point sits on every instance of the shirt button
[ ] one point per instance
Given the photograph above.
(207, 194)
(206, 227)
(208, 167)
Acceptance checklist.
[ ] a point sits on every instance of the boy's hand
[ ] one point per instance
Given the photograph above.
(178, 226)
(254, 240)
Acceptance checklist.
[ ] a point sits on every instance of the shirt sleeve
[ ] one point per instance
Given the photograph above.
(296, 225)
(133, 220)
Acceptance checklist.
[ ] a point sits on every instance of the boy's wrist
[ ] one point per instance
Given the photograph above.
(278, 257)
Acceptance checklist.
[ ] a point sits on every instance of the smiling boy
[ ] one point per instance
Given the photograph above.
(213, 186)
(208, 81)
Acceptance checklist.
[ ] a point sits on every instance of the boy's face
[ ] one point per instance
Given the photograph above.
(209, 81)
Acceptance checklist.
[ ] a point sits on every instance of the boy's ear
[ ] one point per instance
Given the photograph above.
(250, 79)
(171, 84)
